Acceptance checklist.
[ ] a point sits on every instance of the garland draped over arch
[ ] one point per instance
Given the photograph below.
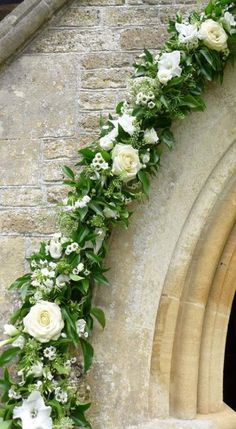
(46, 386)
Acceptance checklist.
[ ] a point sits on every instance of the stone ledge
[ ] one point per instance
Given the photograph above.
(20, 25)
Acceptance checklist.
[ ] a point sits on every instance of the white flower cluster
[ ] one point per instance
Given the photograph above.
(73, 247)
(78, 269)
(43, 277)
(81, 328)
(99, 162)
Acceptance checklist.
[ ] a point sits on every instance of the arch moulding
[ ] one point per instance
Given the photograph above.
(169, 305)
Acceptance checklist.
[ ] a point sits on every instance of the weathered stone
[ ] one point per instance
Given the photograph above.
(112, 78)
(122, 16)
(143, 37)
(94, 100)
(98, 2)
(17, 197)
(36, 98)
(28, 221)
(19, 161)
(60, 148)
(109, 59)
(89, 121)
(55, 194)
(71, 40)
(12, 266)
(77, 17)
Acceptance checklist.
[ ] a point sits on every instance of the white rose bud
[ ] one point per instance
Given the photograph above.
(213, 35)
(10, 330)
(44, 321)
(107, 142)
(55, 249)
(126, 161)
(150, 136)
(169, 66)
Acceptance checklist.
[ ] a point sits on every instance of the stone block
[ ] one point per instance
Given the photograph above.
(74, 40)
(97, 60)
(38, 98)
(60, 148)
(19, 161)
(111, 78)
(55, 194)
(21, 197)
(89, 121)
(99, 100)
(98, 2)
(28, 221)
(131, 16)
(77, 17)
(143, 37)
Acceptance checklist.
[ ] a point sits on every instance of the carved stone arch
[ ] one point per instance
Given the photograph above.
(191, 327)
(170, 295)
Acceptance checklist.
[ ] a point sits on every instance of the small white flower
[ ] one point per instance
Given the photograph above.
(169, 66)
(150, 136)
(38, 385)
(68, 250)
(19, 342)
(33, 413)
(73, 360)
(61, 396)
(107, 142)
(127, 122)
(10, 330)
(151, 105)
(38, 296)
(62, 279)
(50, 353)
(99, 162)
(74, 247)
(229, 21)
(187, 32)
(80, 327)
(13, 394)
(146, 158)
(55, 248)
(36, 369)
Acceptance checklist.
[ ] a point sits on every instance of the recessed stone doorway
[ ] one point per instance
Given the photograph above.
(230, 361)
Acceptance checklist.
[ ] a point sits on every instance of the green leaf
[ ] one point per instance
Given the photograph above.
(87, 353)
(99, 315)
(81, 421)
(208, 57)
(96, 208)
(68, 172)
(209, 8)
(167, 137)
(119, 107)
(149, 56)
(20, 281)
(87, 153)
(101, 279)
(193, 102)
(75, 278)
(143, 177)
(5, 424)
(8, 355)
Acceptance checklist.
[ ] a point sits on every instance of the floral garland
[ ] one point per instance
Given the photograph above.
(45, 386)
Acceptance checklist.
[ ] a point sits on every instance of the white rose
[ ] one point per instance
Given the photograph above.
(150, 136)
(107, 142)
(187, 32)
(213, 35)
(55, 249)
(10, 330)
(126, 161)
(44, 321)
(169, 66)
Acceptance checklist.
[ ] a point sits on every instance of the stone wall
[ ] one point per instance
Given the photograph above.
(52, 95)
